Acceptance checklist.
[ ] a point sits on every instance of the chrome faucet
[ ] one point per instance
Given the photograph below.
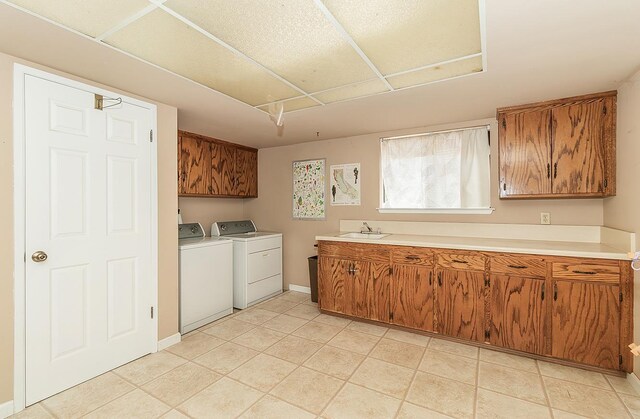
(368, 229)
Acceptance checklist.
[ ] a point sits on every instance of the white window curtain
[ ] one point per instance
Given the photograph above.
(438, 170)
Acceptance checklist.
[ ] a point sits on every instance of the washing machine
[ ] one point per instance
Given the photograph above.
(257, 261)
(206, 277)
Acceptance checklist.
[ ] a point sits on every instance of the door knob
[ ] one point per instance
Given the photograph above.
(39, 256)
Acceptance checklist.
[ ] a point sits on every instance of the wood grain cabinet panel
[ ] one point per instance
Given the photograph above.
(525, 150)
(194, 164)
(411, 256)
(212, 168)
(517, 313)
(608, 271)
(519, 265)
(246, 173)
(578, 148)
(558, 149)
(586, 323)
(412, 297)
(460, 302)
(371, 290)
(335, 290)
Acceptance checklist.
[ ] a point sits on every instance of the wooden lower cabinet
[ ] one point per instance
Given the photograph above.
(460, 302)
(356, 288)
(517, 313)
(573, 309)
(412, 297)
(586, 323)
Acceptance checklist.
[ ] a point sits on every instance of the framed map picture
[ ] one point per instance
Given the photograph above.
(345, 184)
(309, 189)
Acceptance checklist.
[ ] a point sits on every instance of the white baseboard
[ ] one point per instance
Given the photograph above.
(170, 341)
(6, 409)
(634, 381)
(299, 288)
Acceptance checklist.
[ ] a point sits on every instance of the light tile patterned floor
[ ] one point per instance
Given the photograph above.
(283, 359)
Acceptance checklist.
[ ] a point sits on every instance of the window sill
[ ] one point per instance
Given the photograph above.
(461, 211)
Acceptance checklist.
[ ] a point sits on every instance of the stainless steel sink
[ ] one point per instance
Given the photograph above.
(363, 235)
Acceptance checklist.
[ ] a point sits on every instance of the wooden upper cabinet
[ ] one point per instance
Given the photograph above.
(558, 149)
(578, 148)
(525, 150)
(246, 173)
(194, 170)
(210, 167)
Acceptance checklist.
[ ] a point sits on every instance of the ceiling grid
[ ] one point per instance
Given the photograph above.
(301, 53)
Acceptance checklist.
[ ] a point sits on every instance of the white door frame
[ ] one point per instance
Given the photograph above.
(19, 221)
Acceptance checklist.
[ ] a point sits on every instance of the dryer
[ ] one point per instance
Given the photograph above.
(257, 261)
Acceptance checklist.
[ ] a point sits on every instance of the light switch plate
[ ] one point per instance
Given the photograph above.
(545, 218)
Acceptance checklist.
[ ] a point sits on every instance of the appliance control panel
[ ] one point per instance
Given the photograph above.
(224, 228)
(190, 231)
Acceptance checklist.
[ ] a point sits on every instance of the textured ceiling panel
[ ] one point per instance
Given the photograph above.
(353, 91)
(399, 35)
(291, 38)
(91, 18)
(441, 72)
(295, 104)
(169, 43)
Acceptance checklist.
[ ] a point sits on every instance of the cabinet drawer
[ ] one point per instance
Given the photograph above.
(519, 265)
(587, 271)
(354, 251)
(412, 256)
(264, 264)
(264, 244)
(462, 261)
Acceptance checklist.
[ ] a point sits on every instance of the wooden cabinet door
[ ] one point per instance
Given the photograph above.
(222, 169)
(517, 313)
(586, 322)
(335, 285)
(371, 290)
(246, 173)
(578, 148)
(525, 153)
(460, 302)
(195, 167)
(412, 296)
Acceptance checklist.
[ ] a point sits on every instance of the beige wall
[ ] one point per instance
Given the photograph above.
(272, 209)
(167, 208)
(623, 210)
(207, 210)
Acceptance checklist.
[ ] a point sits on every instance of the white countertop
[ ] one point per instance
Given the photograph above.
(537, 247)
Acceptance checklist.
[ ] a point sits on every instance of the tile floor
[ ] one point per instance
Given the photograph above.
(283, 359)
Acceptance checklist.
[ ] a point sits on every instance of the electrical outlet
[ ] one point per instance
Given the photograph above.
(545, 218)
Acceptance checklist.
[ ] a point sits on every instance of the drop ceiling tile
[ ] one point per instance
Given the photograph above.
(292, 38)
(441, 72)
(399, 35)
(352, 91)
(169, 43)
(91, 18)
(294, 104)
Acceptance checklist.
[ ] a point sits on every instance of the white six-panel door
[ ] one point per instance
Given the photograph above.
(87, 207)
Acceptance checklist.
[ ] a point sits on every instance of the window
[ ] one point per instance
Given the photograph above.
(445, 171)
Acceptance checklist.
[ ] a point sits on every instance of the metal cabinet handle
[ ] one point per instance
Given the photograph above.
(555, 170)
(584, 272)
(39, 256)
(548, 170)
(412, 257)
(439, 279)
(459, 261)
(555, 292)
(430, 277)
(517, 266)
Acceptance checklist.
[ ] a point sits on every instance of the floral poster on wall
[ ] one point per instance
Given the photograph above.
(309, 189)
(345, 184)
